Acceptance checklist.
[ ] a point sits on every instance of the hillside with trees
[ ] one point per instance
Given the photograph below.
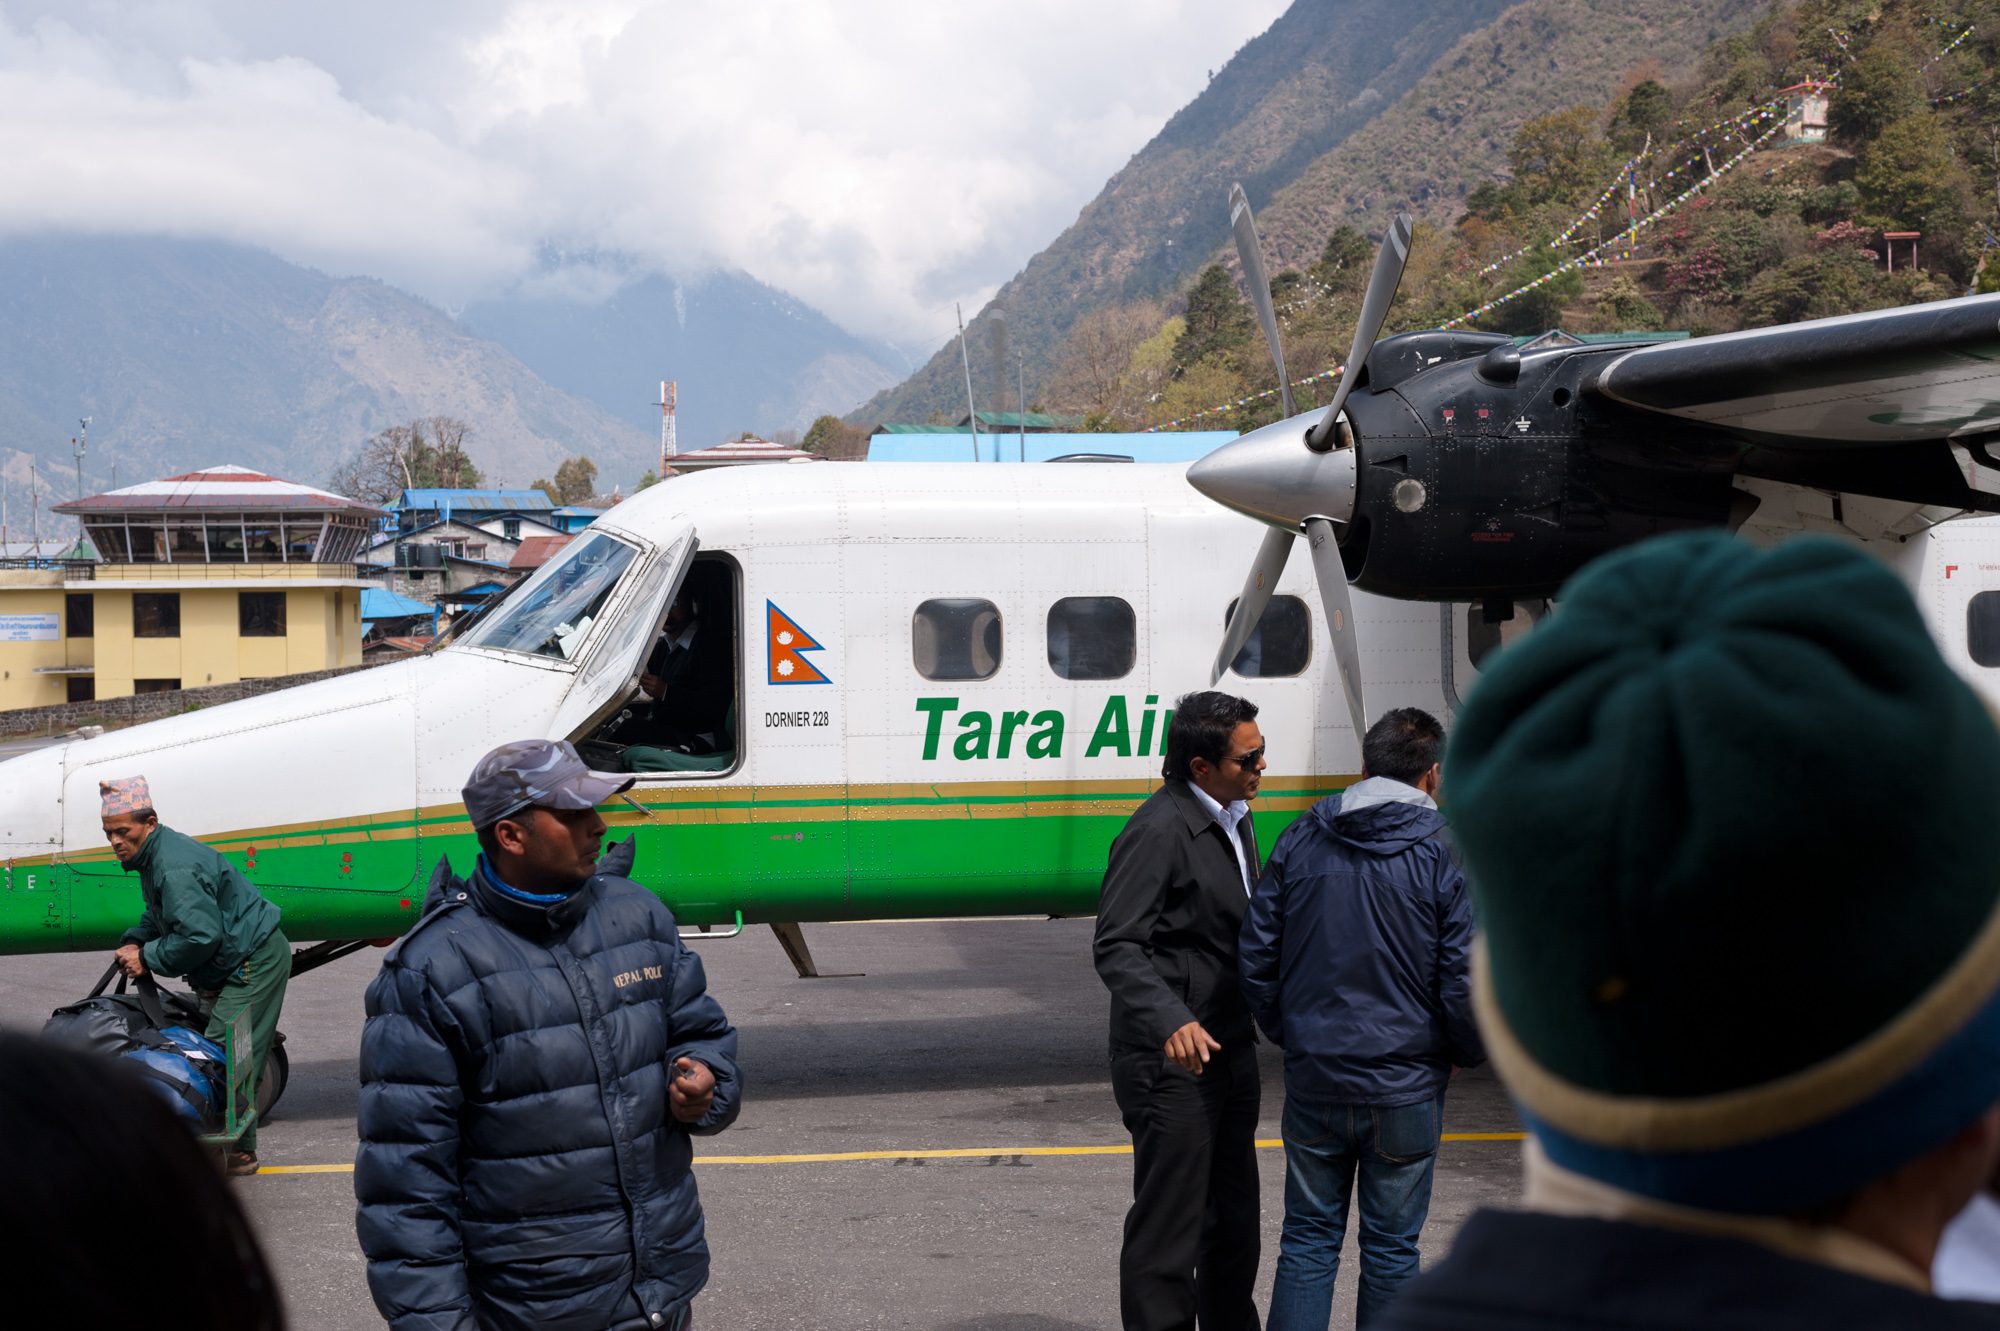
(1674, 204)
(1440, 85)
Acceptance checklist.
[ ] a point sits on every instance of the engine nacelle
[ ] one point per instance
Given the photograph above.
(1469, 489)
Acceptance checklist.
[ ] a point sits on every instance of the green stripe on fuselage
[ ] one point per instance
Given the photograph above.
(861, 855)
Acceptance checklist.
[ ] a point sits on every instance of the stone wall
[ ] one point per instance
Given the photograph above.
(113, 713)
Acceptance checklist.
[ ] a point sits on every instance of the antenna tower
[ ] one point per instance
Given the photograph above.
(669, 446)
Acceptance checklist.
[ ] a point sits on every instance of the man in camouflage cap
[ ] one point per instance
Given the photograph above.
(539, 1048)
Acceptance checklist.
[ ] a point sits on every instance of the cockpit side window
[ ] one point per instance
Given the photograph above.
(682, 718)
(552, 614)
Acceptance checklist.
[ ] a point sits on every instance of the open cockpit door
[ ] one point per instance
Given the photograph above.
(592, 612)
(629, 624)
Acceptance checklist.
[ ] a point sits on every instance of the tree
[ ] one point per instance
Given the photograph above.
(1205, 386)
(548, 488)
(1835, 279)
(1218, 320)
(1909, 178)
(648, 481)
(1559, 158)
(1347, 259)
(1541, 309)
(1879, 86)
(1623, 308)
(428, 453)
(1089, 378)
(1645, 112)
(831, 437)
(576, 480)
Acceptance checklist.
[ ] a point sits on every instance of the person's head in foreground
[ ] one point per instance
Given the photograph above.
(1729, 822)
(114, 1215)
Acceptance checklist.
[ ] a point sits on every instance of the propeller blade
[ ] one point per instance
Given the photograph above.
(1382, 284)
(1263, 579)
(1250, 250)
(1333, 594)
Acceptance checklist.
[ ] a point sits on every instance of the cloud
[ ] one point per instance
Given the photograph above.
(878, 158)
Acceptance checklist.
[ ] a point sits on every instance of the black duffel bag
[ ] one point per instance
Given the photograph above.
(158, 1032)
(112, 1023)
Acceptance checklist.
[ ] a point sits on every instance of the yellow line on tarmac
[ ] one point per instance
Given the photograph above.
(956, 1153)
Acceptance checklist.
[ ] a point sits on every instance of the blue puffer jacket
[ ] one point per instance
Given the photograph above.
(519, 1165)
(1354, 951)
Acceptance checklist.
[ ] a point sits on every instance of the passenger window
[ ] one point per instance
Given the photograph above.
(956, 637)
(1092, 637)
(1280, 645)
(1982, 628)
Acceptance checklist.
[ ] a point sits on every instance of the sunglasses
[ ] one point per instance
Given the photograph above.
(1247, 761)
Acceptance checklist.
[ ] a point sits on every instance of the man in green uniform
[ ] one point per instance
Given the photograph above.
(203, 921)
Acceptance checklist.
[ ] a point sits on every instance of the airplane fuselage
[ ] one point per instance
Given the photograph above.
(952, 686)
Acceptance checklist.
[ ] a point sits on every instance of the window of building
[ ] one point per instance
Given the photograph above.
(1982, 628)
(1092, 637)
(155, 685)
(79, 615)
(510, 528)
(148, 542)
(260, 614)
(1280, 645)
(82, 688)
(156, 615)
(956, 637)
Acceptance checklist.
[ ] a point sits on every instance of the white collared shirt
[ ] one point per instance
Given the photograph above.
(1229, 818)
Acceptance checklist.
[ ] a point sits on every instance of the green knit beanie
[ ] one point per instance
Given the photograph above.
(1730, 824)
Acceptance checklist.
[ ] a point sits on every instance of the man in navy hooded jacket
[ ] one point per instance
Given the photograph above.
(1354, 959)
(539, 1047)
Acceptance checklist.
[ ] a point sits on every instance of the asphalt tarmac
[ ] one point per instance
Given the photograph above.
(932, 1144)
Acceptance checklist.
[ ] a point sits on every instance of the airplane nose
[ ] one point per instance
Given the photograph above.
(1270, 475)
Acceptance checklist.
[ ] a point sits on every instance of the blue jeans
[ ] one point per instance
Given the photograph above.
(1326, 1145)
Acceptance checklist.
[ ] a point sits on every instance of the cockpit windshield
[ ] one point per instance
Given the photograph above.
(551, 615)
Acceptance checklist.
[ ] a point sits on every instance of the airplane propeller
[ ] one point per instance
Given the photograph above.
(1268, 476)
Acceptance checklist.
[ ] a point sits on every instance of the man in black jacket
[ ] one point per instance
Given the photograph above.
(1353, 958)
(538, 1049)
(689, 674)
(1183, 1053)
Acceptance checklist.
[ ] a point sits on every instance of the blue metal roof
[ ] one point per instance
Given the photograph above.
(477, 501)
(381, 603)
(1154, 446)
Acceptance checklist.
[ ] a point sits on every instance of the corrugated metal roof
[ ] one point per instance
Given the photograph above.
(477, 501)
(535, 551)
(1562, 337)
(1015, 420)
(740, 452)
(381, 603)
(226, 488)
(1153, 446)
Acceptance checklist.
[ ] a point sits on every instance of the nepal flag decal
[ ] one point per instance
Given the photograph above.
(786, 640)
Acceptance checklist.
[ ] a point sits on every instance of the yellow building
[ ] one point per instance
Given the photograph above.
(208, 578)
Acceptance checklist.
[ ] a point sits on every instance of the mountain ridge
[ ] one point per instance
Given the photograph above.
(1287, 176)
(186, 353)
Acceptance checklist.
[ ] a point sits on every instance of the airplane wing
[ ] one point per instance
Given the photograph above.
(1888, 377)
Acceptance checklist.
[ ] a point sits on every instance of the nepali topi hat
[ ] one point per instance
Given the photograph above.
(124, 795)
